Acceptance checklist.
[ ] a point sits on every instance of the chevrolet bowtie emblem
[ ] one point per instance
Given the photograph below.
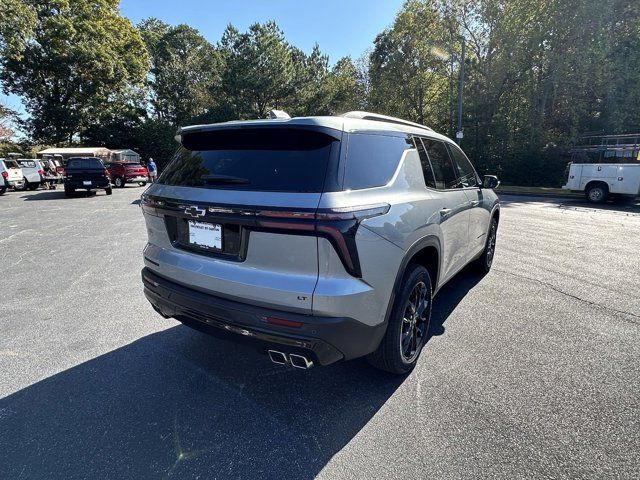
(195, 211)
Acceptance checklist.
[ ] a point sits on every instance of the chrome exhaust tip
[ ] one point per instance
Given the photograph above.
(298, 361)
(278, 357)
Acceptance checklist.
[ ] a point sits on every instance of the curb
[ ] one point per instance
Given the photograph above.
(538, 194)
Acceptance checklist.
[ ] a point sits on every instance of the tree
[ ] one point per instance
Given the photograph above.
(185, 71)
(80, 57)
(17, 23)
(259, 69)
(408, 65)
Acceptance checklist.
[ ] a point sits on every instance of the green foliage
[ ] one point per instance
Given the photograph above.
(259, 69)
(409, 65)
(185, 71)
(79, 57)
(538, 73)
(17, 22)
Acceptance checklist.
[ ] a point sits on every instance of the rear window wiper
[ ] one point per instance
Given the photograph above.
(218, 179)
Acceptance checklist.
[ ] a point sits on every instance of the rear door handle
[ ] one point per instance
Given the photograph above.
(444, 212)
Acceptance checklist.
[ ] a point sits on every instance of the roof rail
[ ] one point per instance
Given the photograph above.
(383, 118)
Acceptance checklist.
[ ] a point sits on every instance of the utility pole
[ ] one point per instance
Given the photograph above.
(459, 133)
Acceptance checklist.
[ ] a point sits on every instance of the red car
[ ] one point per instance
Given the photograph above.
(127, 172)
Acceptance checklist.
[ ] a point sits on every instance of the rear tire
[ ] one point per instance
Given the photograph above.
(3, 190)
(597, 193)
(142, 184)
(119, 182)
(69, 192)
(483, 263)
(408, 326)
(108, 191)
(33, 186)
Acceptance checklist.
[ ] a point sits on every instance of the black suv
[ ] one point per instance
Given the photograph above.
(86, 173)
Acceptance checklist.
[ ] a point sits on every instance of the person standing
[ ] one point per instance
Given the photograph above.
(152, 169)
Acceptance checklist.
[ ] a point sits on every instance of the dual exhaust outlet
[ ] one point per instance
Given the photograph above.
(293, 359)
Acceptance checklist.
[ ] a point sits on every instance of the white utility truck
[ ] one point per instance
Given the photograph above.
(600, 180)
(605, 165)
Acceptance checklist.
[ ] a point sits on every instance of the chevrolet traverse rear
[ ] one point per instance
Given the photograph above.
(316, 239)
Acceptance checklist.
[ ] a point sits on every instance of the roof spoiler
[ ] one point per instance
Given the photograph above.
(383, 118)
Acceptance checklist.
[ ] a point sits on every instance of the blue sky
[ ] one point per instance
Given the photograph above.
(346, 27)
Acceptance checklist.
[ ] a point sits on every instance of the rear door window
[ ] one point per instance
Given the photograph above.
(260, 159)
(467, 176)
(372, 159)
(441, 163)
(85, 163)
(429, 179)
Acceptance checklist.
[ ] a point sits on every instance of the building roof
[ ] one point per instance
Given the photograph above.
(124, 150)
(81, 151)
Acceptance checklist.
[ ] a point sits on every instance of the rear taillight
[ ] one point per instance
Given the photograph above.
(149, 205)
(41, 173)
(106, 172)
(5, 174)
(338, 225)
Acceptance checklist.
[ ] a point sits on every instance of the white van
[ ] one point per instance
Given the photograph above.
(600, 180)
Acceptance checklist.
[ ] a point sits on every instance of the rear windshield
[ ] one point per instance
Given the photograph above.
(27, 163)
(84, 163)
(261, 159)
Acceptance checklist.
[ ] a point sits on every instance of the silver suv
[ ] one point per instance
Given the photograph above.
(317, 239)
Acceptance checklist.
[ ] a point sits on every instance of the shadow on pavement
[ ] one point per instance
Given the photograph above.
(59, 195)
(180, 403)
(448, 299)
(618, 205)
(45, 195)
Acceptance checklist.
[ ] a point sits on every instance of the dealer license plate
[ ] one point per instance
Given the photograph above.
(205, 235)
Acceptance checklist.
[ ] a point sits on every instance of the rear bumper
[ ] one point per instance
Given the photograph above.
(80, 185)
(324, 339)
(137, 179)
(14, 183)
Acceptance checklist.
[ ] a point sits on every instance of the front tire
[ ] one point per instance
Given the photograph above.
(142, 184)
(119, 182)
(108, 191)
(408, 325)
(69, 192)
(3, 190)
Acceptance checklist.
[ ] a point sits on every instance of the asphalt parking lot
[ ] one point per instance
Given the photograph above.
(531, 372)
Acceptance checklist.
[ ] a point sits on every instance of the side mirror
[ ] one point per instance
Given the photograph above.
(490, 181)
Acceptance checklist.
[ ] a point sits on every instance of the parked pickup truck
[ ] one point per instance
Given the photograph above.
(11, 174)
(86, 173)
(127, 172)
(600, 180)
(31, 172)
